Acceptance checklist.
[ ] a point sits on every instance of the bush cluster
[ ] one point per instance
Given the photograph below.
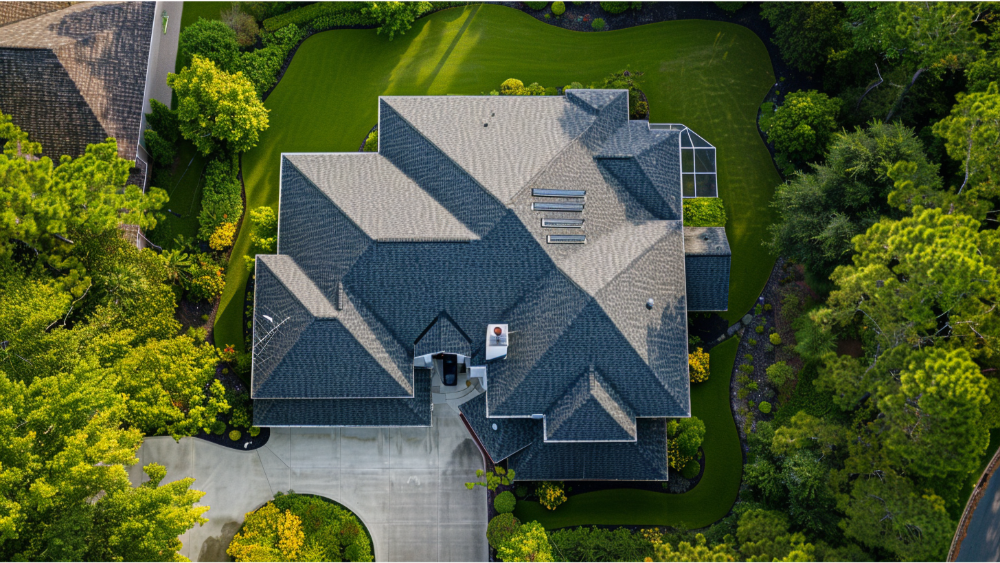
(262, 66)
(505, 502)
(222, 201)
(501, 528)
(551, 494)
(597, 24)
(704, 212)
(619, 7)
(207, 280)
(331, 13)
(698, 366)
(598, 544)
(691, 470)
(371, 142)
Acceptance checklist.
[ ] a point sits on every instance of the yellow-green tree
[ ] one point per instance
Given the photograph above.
(530, 543)
(698, 551)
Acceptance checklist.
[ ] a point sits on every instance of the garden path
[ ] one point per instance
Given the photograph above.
(406, 484)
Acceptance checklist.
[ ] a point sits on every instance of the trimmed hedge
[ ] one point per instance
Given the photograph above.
(619, 7)
(704, 212)
(505, 502)
(332, 13)
(235, 435)
(222, 201)
(501, 528)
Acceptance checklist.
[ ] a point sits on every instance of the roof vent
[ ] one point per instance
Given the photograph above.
(649, 303)
(496, 342)
(537, 416)
(494, 426)
(572, 207)
(338, 302)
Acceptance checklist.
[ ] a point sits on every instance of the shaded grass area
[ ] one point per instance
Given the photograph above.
(706, 503)
(184, 188)
(709, 75)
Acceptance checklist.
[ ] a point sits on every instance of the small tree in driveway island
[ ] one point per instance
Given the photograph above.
(499, 476)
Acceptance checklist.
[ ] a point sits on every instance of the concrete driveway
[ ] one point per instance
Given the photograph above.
(406, 484)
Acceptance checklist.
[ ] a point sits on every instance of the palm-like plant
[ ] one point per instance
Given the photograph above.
(177, 263)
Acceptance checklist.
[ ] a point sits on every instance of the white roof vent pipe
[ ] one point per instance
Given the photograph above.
(496, 342)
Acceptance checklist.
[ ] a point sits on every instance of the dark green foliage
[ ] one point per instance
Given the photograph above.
(691, 470)
(163, 120)
(536, 5)
(597, 544)
(805, 32)
(558, 8)
(262, 65)
(211, 39)
(521, 491)
(264, 10)
(218, 428)
(764, 406)
(822, 210)
(802, 127)
(704, 212)
(501, 528)
(505, 502)
(332, 533)
(731, 7)
(161, 150)
(221, 202)
(322, 15)
(597, 24)
(614, 6)
(625, 79)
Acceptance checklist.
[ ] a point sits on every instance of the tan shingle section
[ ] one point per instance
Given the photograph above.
(11, 12)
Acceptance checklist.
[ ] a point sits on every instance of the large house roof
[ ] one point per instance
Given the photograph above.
(75, 76)
(415, 249)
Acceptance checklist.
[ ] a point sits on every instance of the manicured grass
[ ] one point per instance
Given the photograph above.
(184, 189)
(710, 75)
(711, 498)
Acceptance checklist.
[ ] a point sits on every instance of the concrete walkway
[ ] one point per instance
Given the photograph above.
(406, 484)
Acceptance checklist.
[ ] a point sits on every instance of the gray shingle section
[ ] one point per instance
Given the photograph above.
(443, 336)
(590, 410)
(300, 341)
(349, 412)
(511, 435)
(393, 207)
(707, 262)
(501, 141)
(76, 76)
(642, 460)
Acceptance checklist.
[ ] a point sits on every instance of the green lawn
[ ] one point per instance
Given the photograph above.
(710, 75)
(184, 189)
(711, 498)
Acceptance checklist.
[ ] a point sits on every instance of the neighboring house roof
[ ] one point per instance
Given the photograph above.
(77, 75)
(11, 12)
(417, 248)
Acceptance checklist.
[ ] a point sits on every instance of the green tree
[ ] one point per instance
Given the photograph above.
(885, 512)
(395, 17)
(161, 150)
(143, 523)
(763, 536)
(932, 420)
(807, 431)
(216, 109)
(165, 382)
(803, 125)
(163, 120)
(805, 32)
(821, 211)
(263, 233)
(684, 437)
(212, 40)
(530, 543)
(698, 552)
(972, 136)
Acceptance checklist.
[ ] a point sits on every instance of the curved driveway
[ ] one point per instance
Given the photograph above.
(406, 484)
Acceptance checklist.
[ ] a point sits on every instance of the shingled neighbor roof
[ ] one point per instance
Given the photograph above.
(76, 76)
(415, 249)
(706, 261)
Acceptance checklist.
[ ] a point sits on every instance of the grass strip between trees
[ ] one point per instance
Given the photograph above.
(708, 75)
(706, 503)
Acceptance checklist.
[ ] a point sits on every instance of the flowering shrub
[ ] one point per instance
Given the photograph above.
(698, 365)
(551, 494)
(207, 281)
(222, 238)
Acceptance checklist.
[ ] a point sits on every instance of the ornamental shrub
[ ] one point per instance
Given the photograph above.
(615, 7)
(551, 494)
(802, 127)
(512, 87)
(775, 339)
(573, 86)
(261, 66)
(163, 120)
(704, 212)
(207, 280)
(211, 39)
(221, 201)
(597, 24)
(254, 431)
(691, 469)
(558, 8)
(243, 24)
(698, 366)
(218, 428)
(764, 406)
(371, 142)
(760, 329)
(501, 528)
(780, 372)
(731, 7)
(753, 342)
(222, 238)
(536, 5)
(263, 234)
(161, 150)
(748, 358)
(521, 491)
(322, 15)
(505, 502)
(395, 17)
(684, 437)
(235, 435)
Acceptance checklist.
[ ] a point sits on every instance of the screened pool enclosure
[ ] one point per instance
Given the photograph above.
(697, 162)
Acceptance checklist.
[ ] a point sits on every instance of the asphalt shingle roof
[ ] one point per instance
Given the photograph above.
(706, 262)
(414, 250)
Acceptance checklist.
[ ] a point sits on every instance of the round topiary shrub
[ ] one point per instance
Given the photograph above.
(501, 528)
(764, 406)
(218, 428)
(691, 470)
(521, 491)
(235, 435)
(614, 7)
(598, 24)
(558, 8)
(775, 339)
(536, 5)
(254, 431)
(505, 502)
(512, 87)
(760, 329)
